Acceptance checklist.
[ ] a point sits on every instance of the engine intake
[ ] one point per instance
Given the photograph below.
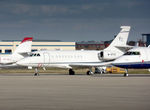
(107, 55)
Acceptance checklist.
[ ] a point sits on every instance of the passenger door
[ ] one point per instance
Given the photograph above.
(46, 59)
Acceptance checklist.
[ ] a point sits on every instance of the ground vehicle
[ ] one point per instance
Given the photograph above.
(115, 70)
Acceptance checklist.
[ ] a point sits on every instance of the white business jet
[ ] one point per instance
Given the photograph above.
(80, 58)
(136, 58)
(21, 52)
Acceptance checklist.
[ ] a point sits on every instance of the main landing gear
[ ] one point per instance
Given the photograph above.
(71, 72)
(36, 72)
(126, 73)
(89, 72)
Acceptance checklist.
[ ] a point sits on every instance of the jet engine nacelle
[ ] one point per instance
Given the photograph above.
(107, 55)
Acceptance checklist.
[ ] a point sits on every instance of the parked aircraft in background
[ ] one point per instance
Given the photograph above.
(136, 58)
(21, 51)
(85, 58)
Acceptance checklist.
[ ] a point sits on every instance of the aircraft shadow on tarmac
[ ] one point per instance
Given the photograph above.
(121, 75)
(63, 74)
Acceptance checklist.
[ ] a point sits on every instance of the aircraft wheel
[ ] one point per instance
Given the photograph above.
(71, 72)
(88, 72)
(125, 74)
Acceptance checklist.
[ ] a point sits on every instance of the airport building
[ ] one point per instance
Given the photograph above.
(147, 38)
(8, 46)
(92, 45)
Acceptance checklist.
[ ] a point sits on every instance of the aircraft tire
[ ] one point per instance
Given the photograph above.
(71, 72)
(88, 72)
(125, 74)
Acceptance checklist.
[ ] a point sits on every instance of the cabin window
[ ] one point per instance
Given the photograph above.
(0, 51)
(132, 53)
(38, 54)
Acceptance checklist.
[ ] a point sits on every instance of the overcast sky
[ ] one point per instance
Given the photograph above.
(73, 20)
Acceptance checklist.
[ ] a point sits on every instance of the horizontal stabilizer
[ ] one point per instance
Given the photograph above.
(125, 28)
(124, 48)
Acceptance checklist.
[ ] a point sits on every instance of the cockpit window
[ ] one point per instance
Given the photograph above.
(38, 54)
(34, 54)
(132, 53)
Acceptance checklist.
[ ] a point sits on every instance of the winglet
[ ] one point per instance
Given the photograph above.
(27, 39)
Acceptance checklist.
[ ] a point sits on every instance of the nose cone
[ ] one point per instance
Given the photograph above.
(23, 62)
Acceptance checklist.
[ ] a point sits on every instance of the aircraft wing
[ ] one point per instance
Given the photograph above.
(8, 65)
(124, 48)
(96, 64)
(5, 64)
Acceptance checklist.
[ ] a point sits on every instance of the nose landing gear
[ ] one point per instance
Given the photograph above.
(90, 72)
(126, 73)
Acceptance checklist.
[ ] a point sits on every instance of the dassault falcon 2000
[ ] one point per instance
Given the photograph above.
(21, 52)
(80, 58)
(136, 58)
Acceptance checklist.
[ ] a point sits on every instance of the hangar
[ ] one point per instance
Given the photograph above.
(8, 46)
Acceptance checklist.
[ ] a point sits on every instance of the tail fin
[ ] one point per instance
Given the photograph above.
(23, 49)
(24, 46)
(117, 47)
(121, 38)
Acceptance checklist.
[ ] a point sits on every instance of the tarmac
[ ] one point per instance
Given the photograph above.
(78, 92)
